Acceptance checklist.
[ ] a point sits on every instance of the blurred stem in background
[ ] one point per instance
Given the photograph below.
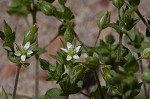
(34, 11)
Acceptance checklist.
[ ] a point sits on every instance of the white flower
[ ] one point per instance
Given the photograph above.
(24, 51)
(72, 51)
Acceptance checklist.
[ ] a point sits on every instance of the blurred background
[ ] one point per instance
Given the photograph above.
(86, 14)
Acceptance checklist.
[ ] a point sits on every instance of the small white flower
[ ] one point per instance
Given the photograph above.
(24, 51)
(71, 51)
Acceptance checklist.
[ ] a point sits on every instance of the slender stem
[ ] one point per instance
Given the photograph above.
(99, 32)
(36, 56)
(99, 85)
(51, 41)
(84, 94)
(16, 81)
(141, 69)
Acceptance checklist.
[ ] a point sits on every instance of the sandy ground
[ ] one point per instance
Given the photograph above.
(86, 12)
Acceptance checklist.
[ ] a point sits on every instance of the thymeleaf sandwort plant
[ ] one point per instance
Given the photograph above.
(117, 61)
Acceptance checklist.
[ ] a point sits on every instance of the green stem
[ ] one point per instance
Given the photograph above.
(99, 32)
(99, 85)
(16, 81)
(141, 70)
(34, 11)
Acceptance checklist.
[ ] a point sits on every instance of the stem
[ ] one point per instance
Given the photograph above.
(99, 85)
(84, 94)
(16, 81)
(34, 11)
(99, 32)
(141, 70)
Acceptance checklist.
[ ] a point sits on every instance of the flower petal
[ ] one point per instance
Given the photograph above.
(65, 50)
(76, 56)
(77, 49)
(69, 58)
(27, 45)
(23, 57)
(17, 53)
(69, 46)
(29, 52)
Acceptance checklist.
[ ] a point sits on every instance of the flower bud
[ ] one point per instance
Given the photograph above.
(118, 3)
(146, 53)
(68, 35)
(46, 8)
(104, 20)
(146, 76)
(92, 63)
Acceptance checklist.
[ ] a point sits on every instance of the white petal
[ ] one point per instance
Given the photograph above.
(69, 58)
(23, 57)
(77, 49)
(17, 53)
(69, 45)
(27, 45)
(65, 50)
(76, 56)
(29, 52)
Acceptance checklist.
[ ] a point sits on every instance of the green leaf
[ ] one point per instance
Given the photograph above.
(2, 35)
(131, 66)
(44, 64)
(59, 69)
(11, 56)
(31, 35)
(4, 94)
(55, 93)
(68, 35)
(110, 39)
(20, 7)
(41, 51)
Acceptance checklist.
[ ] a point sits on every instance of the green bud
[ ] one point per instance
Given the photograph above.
(110, 39)
(92, 63)
(104, 20)
(46, 8)
(31, 35)
(146, 53)
(68, 35)
(146, 76)
(62, 2)
(118, 3)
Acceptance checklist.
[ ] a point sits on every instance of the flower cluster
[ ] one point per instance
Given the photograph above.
(72, 51)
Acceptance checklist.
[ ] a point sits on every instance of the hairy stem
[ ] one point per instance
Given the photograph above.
(16, 81)
(36, 56)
